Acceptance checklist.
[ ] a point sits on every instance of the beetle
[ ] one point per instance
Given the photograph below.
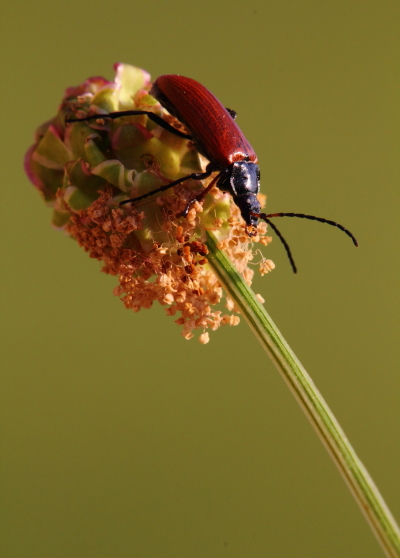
(216, 135)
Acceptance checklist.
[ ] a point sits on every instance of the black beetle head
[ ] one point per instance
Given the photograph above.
(250, 209)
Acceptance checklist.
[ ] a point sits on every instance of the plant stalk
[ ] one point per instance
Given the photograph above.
(311, 401)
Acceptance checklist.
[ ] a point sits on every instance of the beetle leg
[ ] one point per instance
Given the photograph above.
(233, 113)
(193, 176)
(200, 196)
(119, 114)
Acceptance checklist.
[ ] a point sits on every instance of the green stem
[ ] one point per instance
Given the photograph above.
(321, 417)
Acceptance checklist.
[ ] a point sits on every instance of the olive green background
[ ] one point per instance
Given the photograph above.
(120, 438)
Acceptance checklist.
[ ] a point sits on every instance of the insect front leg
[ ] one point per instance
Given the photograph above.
(119, 114)
(193, 176)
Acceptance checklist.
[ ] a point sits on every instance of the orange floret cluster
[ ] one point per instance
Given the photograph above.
(176, 274)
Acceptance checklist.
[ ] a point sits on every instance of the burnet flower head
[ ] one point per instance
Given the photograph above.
(85, 169)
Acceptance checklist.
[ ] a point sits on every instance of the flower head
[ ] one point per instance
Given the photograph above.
(85, 169)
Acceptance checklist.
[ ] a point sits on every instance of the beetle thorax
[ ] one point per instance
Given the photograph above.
(244, 178)
(242, 181)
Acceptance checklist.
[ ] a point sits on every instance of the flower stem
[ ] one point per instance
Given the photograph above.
(316, 409)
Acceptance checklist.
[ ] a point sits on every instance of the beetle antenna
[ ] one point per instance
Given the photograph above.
(312, 218)
(286, 245)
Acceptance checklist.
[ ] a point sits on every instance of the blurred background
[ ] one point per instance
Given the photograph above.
(120, 438)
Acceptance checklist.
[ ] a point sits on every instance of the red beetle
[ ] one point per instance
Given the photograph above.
(215, 134)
